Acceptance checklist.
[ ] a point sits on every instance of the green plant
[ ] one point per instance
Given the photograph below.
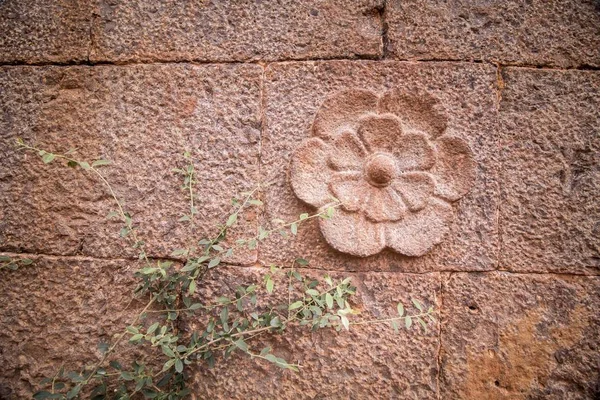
(229, 323)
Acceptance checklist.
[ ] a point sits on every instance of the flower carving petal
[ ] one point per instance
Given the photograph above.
(418, 232)
(380, 133)
(309, 173)
(384, 204)
(417, 112)
(352, 233)
(414, 153)
(341, 112)
(455, 168)
(348, 153)
(415, 188)
(350, 189)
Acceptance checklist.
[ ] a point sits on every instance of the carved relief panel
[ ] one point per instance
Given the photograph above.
(390, 163)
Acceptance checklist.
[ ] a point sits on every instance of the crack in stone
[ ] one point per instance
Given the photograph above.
(261, 264)
(266, 63)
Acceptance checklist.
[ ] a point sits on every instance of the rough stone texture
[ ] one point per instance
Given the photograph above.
(295, 91)
(141, 118)
(550, 140)
(40, 31)
(537, 32)
(393, 176)
(237, 30)
(514, 336)
(55, 313)
(369, 361)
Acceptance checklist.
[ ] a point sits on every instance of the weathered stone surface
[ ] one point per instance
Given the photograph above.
(565, 33)
(514, 336)
(384, 170)
(369, 361)
(142, 118)
(236, 31)
(55, 312)
(464, 93)
(550, 140)
(37, 31)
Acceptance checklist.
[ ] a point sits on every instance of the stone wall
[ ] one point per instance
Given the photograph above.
(516, 275)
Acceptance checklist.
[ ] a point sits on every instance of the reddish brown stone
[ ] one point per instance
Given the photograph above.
(236, 31)
(550, 130)
(55, 313)
(369, 361)
(463, 93)
(142, 118)
(39, 31)
(565, 33)
(517, 336)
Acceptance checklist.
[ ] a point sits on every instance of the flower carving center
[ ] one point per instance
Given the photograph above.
(380, 170)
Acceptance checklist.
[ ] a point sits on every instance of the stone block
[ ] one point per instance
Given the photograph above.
(236, 30)
(550, 179)
(368, 361)
(564, 34)
(142, 118)
(45, 31)
(520, 336)
(462, 93)
(56, 312)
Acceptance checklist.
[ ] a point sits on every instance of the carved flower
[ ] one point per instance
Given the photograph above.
(387, 159)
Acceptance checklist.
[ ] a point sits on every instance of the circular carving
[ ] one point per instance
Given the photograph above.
(388, 160)
(380, 170)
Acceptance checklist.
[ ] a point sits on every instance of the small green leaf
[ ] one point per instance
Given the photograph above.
(312, 292)
(178, 366)
(330, 212)
(167, 351)
(136, 337)
(270, 285)
(72, 163)
(262, 233)
(400, 308)
(84, 165)
(195, 306)
(294, 229)
(189, 267)
(179, 252)
(241, 345)
(422, 323)
(408, 322)
(98, 163)
(303, 216)
(296, 304)
(255, 202)
(329, 300)
(184, 218)
(103, 347)
(48, 158)
(345, 322)
(265, 351)
(132, 329)
(214, 262)
(192, 287)
(301, 261)
(168, 364)
(417, 304)
(395, 325)
(231, 220)
(116, 365)
(152, 328)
